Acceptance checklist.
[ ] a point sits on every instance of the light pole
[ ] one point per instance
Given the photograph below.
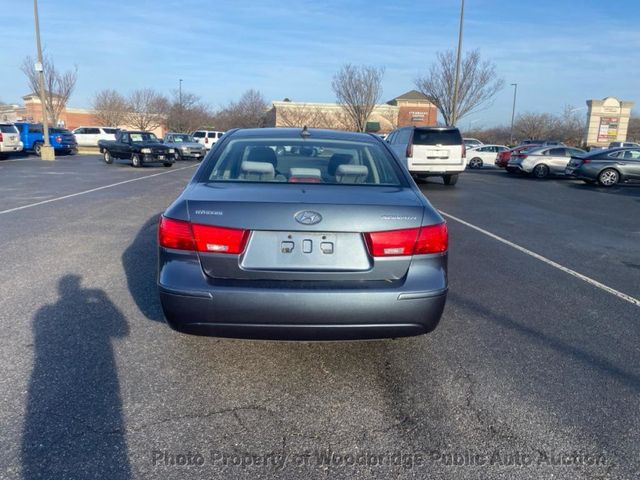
(513, 111)
(46, 151)
(456, 80)
(180, 93)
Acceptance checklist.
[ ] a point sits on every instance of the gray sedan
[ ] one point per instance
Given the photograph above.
(608, 167)
(544, 161)
(269, 241)
(185, 146)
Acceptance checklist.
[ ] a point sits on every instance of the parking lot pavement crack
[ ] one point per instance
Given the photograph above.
(202, 415)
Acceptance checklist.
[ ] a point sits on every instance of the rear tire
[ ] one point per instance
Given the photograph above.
(451, 179)
(108, 159)
(540, 171)
(475, 162)
(37, 149)
(608, 177)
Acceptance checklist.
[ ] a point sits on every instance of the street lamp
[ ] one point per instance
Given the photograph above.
(46, 151)
(180, 92)
(513, 111)
(456, 80)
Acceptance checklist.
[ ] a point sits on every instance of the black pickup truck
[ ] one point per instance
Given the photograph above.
(138, 146)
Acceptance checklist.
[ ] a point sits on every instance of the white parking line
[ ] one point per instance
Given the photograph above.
(589, 280)
(64, 197)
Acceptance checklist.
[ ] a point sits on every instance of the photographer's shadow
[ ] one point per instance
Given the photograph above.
(73, 421)
(140, 263)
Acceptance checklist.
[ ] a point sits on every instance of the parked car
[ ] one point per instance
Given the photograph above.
(624, 145)
(261, 245)
(472, 142)
(503, 157)
(607, 168)
(32, 136)
(208, 138)
(185, 146)
(484, 155)
(90, 136)
(138, 146)
(430, 151)
(9, 139)
(544, 161)
(543, 143)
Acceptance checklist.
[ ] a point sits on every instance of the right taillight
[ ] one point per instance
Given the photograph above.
(182, 235)
(1, 136)
(410, 241)
(409, 151)
(206, 139)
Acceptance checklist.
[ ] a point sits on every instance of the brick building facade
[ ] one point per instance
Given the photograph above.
(411, 108)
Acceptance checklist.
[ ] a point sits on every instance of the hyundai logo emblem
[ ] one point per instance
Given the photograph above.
(308, 217)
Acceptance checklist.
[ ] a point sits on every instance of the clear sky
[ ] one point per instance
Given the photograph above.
(558, 51)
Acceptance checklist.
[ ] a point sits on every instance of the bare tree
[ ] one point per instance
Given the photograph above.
(147, 109)
(58, 86)
(110, 108)
(299, 115)
(187, 112)
(633, 131)
(570, 126)
(478, 84)
(534, 126)
(248, 112)
(357, 90)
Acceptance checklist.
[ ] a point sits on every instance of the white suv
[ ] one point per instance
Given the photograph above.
(90, 136)
(430, 151)
(9, 139)
(208, 138)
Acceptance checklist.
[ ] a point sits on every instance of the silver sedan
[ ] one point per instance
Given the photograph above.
(544, 161)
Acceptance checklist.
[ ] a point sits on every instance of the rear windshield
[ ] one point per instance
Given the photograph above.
(182, 138)
(58, 130)
(140, 137)
(110, 131)
(8, 129)
(436, 137)
(198, 134)
(304, 161)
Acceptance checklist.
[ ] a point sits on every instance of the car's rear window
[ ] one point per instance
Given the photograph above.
(8, 129)
(110, 131)
(436, 137)
(198, 134)
(59, 130)
(307, 161)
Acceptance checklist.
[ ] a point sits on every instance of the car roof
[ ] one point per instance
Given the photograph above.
(314, 133)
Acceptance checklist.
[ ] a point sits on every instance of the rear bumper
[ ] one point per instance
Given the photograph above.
(438, 170)
(11, 148)
(154, 158)
(286, 308)
(285, 314)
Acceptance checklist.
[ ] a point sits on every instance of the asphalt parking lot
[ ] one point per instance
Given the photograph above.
(534, 372)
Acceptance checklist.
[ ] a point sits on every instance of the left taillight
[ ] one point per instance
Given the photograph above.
(410, 241)
(182, 235)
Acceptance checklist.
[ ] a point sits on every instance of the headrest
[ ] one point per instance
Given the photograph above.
(263, 168)
(262, 154)
(352, 173)
(336, 160)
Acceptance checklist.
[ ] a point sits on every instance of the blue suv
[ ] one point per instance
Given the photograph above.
(61, 139)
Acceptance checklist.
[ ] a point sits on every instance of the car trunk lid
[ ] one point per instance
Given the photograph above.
(305, 231)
